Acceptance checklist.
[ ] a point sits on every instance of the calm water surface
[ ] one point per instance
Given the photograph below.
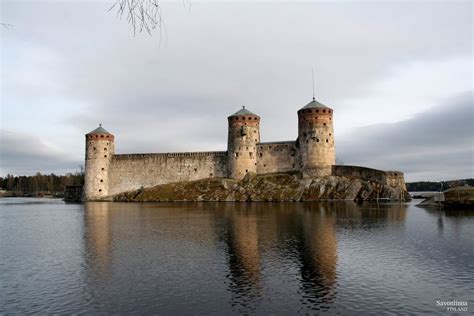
(230, 258)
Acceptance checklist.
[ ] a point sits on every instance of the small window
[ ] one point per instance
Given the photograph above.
(255, 163)
(100, 190)
(251, 154)
(245, 123)
(329, 134)
(195, 169)
(324, 124)
(270, 147)
(327, 140)
(93, 148)
(247, 148)
(236, 155)
(105, 149)
(256, 141)
(101, 136)
(260, 154)
(105, 156)
(317, 111)
(246, 171)
(243, 118)
(211, 175)
(264, 166)
(317, 140)
(101, 180)
(255, 118)
(306, 141)
(324, 111)
(103, 169)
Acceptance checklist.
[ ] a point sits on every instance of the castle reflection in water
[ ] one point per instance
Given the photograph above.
(255, 246)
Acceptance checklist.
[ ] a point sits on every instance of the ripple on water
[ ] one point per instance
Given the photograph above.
(230, 258)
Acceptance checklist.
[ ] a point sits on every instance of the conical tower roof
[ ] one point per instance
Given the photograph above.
(243, 111)
(314, 105)
(99, 130)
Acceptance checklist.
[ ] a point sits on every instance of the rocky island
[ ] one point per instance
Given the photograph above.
(268, 188)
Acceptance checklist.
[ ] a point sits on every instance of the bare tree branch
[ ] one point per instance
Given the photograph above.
(6, 25)
(142, 15)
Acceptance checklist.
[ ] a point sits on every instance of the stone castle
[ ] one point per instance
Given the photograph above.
(313, 154)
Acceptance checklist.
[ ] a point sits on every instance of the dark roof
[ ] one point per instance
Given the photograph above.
(99, 130)
(244, 111)
(314, 105)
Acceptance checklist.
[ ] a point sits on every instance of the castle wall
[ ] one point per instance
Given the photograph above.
(316, 141)
(390, 178)
(133, 171)
(243, 137)
(99, 150)
(276, 157)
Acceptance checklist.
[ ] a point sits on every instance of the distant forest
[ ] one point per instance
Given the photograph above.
(436, 186)
(40, 184)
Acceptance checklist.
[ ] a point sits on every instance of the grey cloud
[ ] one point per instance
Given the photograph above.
(437, 144)
(218, 57)
(24, 154)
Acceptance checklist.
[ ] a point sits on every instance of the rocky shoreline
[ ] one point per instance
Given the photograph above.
(269, 187)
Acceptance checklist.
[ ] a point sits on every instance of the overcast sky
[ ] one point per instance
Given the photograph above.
(398, 75)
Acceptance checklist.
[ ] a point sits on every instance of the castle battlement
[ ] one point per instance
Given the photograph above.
(311, 153)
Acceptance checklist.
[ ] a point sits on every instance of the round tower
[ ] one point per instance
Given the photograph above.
(244, 134)
(316, 139)
(100, 149)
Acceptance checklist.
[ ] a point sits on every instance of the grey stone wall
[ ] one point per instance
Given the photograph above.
(99, 153)
(277, 157)
(133, 171)
(390, 178)
(316, 141)
(243, 137)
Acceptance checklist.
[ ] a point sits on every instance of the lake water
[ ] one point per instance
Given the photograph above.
(231, 258)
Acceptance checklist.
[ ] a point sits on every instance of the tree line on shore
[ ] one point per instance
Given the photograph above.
(437, 186)
(40, 184)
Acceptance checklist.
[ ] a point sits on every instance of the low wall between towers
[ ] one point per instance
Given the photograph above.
(132, 171)
(390, 178)
(276, 157)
